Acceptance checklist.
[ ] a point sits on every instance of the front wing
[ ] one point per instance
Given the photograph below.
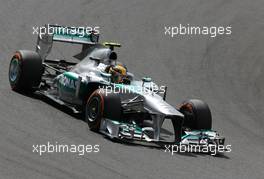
(133, 132)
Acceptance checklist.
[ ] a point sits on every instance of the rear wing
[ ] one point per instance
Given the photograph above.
(74, 35)
(56, 33)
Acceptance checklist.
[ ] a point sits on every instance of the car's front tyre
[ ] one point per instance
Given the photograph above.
(197, 115)
(99, 105)
(94, 110)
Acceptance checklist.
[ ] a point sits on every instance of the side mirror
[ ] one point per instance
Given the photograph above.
(146, 79)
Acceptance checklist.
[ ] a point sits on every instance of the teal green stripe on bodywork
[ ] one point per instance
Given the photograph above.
(71, 75)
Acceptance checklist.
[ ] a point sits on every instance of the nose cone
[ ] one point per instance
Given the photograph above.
(157, 104)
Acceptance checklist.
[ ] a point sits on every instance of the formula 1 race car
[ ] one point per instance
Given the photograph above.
(113, 101)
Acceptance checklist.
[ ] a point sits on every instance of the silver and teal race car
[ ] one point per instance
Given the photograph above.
(131, 109)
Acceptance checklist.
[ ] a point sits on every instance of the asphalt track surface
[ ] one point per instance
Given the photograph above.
(227, 72)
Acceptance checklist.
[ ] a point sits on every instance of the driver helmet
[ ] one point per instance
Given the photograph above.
(118, 72)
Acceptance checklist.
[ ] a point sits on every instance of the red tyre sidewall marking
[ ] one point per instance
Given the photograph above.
(97, 92)
(17, 55)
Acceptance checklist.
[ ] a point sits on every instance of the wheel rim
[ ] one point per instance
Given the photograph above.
(187, 108)
(14, 69)
(93, 109)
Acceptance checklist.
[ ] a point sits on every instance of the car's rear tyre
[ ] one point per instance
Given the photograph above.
(25, 70)
(197, 115)
(100, 105)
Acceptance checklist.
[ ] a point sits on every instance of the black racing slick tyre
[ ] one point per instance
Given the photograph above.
(197, 115)
(101, 105)
(25, 71)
